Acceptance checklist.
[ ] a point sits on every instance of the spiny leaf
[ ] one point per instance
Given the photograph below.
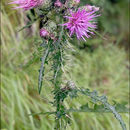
(101, 108)
(28, 24)
(121, 108)
(97, 109)
(103, 99)
(41, 72)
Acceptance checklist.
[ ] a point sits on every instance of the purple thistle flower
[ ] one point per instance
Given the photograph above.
(27, 4)
(43, 32)
(81, 23)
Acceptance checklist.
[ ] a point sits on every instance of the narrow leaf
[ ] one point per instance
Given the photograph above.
(41, 73)
(28, 24)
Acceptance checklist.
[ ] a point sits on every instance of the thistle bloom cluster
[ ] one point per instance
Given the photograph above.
(27, 4)
(81, 23)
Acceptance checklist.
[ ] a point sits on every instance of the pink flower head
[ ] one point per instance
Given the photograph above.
(91, 8)
(77, 1)
(43, 32)
(58, 3)
(27, 4)
(81, 23)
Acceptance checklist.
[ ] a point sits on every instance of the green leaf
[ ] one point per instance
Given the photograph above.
(98, 109)
(103, 99)
(28, 24)
(41, 71)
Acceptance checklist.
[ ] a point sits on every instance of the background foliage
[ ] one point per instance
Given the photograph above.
(100, 64)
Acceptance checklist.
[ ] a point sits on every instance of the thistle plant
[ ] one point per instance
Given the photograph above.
(60, 21)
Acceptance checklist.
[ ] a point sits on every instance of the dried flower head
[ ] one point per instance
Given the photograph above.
(27, 4)
(81, 23)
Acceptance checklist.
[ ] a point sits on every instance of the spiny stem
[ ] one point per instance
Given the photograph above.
(116, 114)
(57, 87)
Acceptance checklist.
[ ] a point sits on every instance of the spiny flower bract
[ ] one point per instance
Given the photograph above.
(81, 23)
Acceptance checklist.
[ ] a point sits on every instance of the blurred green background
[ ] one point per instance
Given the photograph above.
(100, 64)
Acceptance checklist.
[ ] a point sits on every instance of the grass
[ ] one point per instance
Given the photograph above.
(105, 69)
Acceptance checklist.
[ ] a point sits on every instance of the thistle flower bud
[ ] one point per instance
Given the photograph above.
(76, 1)
(44, 32)
(71, 3)
(47, 4)
(58, 3)
(51, 27)
(91, 8)
(71, 85)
